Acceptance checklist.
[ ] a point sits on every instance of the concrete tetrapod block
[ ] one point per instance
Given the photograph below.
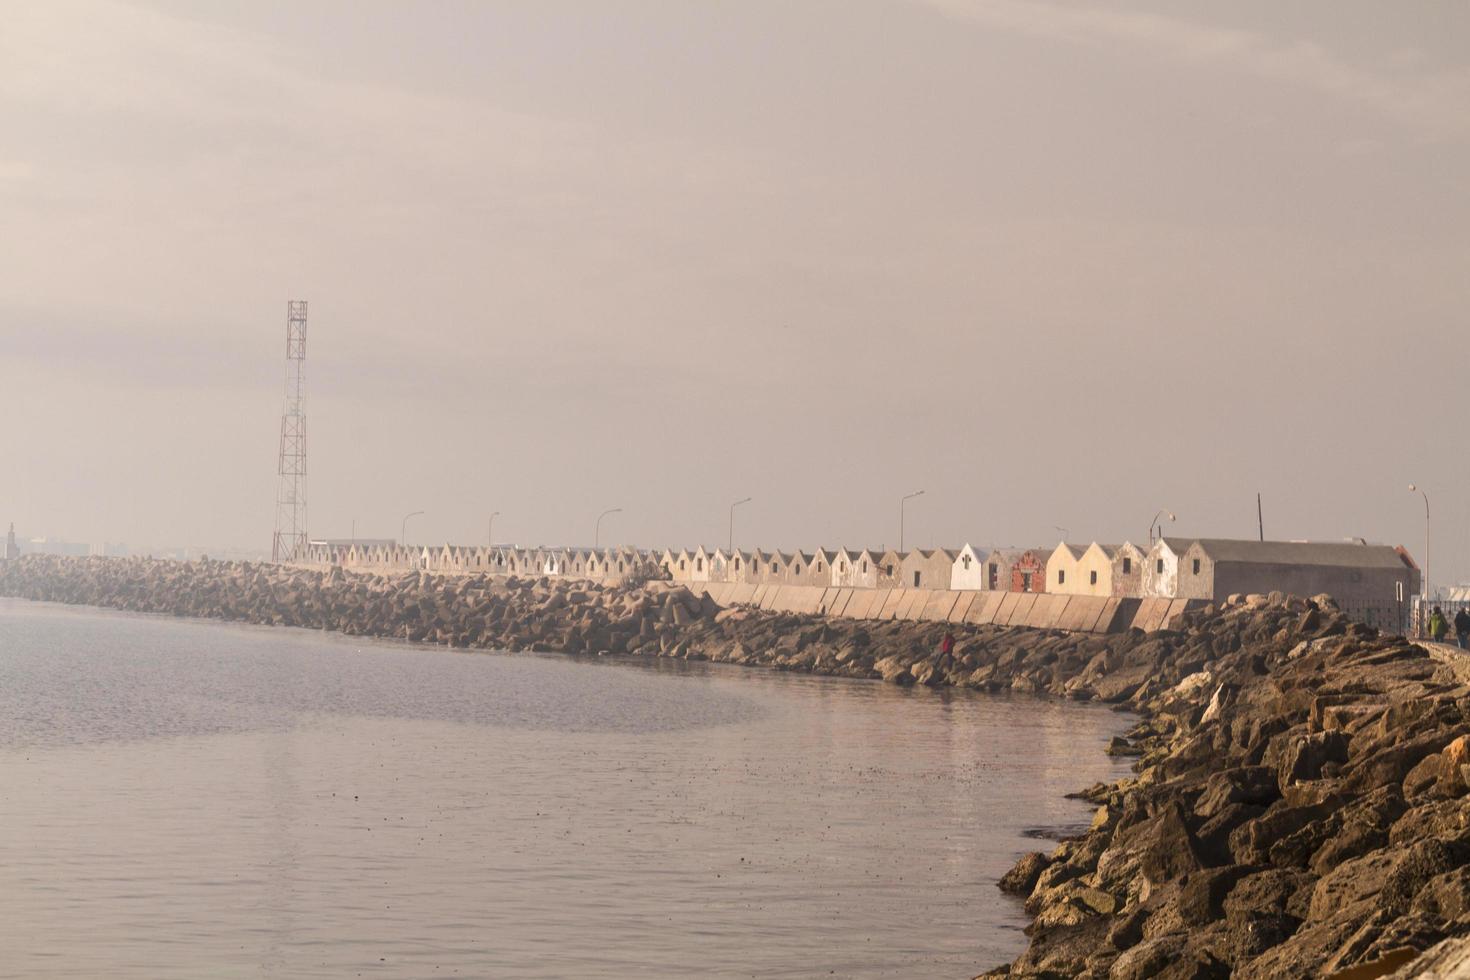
(891, 604)
(1178, 608)
(923, 605)
(1032, 614)
(983, 610)
(962, 606)
(1047, 613)
(913, 604)
(1144, 613)
(1121, 617)
(1153, 617)
(1007, 606)
(1163, 613)
(1022, 612)
(1100, 609)
(1105, 611)
(1095, 610)
(857, 606)
(937, 610)
(1079, 614)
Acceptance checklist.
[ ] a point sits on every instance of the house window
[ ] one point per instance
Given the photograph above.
(1159, 566)
(887, 569)
(796, 569)
(1196, 566)
(1025, 581)
(773, 568)
(865, 566)
(966, 560)
(1094, 578)
(699, 564)
(916, 580)
(737, 564)
(1061, 576)
(819, 568)
(842, 567)
(1127, 566)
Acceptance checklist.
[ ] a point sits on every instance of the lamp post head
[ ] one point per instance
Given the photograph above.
(1412, 488)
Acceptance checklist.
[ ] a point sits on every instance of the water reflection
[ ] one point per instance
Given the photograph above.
(281, 803)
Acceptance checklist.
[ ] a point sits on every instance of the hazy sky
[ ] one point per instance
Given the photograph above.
(1058, 264)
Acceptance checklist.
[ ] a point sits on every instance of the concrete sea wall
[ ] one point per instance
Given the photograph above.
(1042, 611)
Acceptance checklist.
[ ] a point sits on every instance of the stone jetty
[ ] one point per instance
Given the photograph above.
(1298, 805)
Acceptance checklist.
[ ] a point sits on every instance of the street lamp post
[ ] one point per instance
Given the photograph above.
(490, 530)
(1065, 533)
(597, 533)
(1155, 523)
(403, 526)
(903, 500)
(730, 549)
(1424, 578)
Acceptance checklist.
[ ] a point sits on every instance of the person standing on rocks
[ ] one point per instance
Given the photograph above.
(1437, 625)
(946, 645)
(1462, 627)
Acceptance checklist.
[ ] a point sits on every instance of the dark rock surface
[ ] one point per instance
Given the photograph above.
(1298, 806)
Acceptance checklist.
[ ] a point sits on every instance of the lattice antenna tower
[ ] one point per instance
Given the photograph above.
(290, 538)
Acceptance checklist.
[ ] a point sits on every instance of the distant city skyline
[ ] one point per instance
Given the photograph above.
(1056, 265)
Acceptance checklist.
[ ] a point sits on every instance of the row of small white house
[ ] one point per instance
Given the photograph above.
(1361, 577)
(1207, 568)
(611, 564)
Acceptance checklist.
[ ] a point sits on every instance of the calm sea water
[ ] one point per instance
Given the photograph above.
(186, 799)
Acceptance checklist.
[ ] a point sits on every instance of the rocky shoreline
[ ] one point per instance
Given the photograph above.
(1299, 800)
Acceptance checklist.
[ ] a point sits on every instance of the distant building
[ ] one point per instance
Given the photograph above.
(1061, 568)
(1161, 568)
(1127, 574)
(1028, 571)
(998, 568)
(968, 571)
(12, 549)
(1371, 583)
(1090, 573)
(927, 569)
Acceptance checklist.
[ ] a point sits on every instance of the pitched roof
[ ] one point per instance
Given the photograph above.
(1341, 554)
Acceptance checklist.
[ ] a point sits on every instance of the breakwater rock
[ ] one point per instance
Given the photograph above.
(1299, 801)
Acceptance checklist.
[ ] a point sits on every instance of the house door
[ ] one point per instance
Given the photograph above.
(1025, 581)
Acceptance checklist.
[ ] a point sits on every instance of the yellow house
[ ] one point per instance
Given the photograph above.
(1095, 570)
(1061, 568)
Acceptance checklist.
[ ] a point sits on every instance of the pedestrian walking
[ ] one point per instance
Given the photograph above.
(1462, 628)
(1437, 625)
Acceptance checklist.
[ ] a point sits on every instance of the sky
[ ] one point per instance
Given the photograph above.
(1059, 265)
